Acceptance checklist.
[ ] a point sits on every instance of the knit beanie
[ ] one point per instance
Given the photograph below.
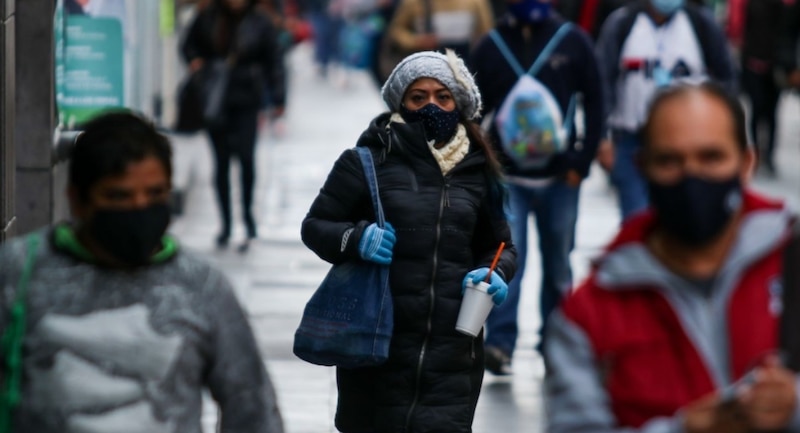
(448, 69)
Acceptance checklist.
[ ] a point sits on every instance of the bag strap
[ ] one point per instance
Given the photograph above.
(569, 116)
(540, 60)
(550, 47)
(506, 52)
(12, 340)
(372, 182)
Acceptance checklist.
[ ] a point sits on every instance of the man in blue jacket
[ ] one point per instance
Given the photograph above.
(644, 46)
(569, 71)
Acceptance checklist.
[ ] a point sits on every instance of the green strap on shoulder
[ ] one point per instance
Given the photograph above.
(12, 340)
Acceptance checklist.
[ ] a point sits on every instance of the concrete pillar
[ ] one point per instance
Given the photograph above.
(7, 87)
(35, 119)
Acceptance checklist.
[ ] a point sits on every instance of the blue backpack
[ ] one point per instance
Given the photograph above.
(530, 124)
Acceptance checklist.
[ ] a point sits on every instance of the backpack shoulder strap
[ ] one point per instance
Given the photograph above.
(626, 24)
(550, 47)
(506, 52)
(11, 343)
(701, 30)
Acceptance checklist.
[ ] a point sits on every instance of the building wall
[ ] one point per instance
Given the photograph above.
(7, 87)
(35, 115)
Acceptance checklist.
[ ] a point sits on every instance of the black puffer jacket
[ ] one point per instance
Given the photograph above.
(445, 227)
(258, 58)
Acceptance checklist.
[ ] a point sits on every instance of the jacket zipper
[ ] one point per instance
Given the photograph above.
(442, 201)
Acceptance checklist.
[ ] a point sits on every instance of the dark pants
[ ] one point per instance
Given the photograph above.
(626, 176)
(555, 207)
(236, 138)
(764, 95)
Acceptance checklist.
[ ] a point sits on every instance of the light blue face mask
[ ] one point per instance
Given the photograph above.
(667, 7)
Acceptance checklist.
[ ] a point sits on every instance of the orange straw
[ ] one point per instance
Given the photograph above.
(494, 262)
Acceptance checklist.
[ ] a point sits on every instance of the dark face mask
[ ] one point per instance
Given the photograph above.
(440, 125)
(695, 210)
(131, 236)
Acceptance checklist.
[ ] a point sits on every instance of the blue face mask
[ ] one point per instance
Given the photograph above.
(667, 7)
(530, 11)
(440, 125)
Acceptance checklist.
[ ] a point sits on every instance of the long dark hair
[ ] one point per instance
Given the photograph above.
(498, 192)
(226, 23)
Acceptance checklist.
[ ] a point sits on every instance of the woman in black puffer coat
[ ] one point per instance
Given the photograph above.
(441, 192)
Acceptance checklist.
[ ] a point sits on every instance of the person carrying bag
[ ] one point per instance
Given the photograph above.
(236, 53)
(348, 321)
(441, 199)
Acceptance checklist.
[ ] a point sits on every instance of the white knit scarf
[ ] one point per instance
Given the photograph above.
(451, 153)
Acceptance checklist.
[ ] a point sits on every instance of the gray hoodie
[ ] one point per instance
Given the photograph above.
(132, 351)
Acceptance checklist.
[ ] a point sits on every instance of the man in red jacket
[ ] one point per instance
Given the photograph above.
(676, 329)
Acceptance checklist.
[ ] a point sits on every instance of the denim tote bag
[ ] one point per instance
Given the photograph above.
(348, 321)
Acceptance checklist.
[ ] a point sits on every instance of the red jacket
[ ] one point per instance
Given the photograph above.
(654, 346)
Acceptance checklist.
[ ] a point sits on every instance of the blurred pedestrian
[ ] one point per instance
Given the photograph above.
(530, 35)
(676, 328)
(420, 25)
(275, 10)
(364, 25)
(326, 27)
(789, 51)
(107, 322)
(758, 50)
(644, 46)
(591, 14)
(234, 34)
(441, 191)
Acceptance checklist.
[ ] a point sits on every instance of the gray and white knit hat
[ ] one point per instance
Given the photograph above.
(448, 69)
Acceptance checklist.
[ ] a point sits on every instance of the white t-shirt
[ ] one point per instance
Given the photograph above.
(652, 57)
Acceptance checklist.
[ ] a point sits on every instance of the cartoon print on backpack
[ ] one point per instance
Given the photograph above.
(530, 123)
(533, 132)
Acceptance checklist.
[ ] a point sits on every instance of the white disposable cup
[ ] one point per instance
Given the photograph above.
(475, 308)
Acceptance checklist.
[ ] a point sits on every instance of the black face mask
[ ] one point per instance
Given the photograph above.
(440, 125)
(131, 236)
(695, 210)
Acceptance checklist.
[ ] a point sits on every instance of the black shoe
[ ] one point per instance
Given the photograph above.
(222, 240)
(497, 361)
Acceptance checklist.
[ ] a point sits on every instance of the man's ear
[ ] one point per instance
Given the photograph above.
(748, 165)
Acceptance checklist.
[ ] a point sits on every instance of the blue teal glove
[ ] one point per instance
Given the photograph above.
(376, 244)
(497, 287)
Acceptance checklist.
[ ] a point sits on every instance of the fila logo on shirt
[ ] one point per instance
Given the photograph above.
(648, 66)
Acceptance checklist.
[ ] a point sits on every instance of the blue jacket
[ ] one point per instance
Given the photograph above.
(571, 69)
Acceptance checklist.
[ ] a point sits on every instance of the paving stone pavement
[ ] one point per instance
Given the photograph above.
(277, 276)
